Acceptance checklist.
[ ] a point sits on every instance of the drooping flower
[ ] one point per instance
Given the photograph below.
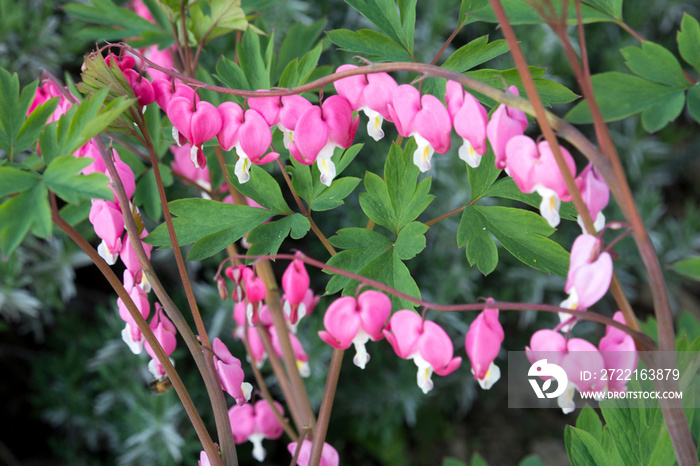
(128, 254)
(505, 123)
(469, 119)
(302, 359)
(164, 331)
(230, 373)
(329, 455)
(145, 95)
(423, 341)
(574, 356)
(619, 354)
(295, 283)
(293, 106)
(595, 194)
(255, 423)
(590, 273)
(534, 168)
(369, 93)
(166, 89)
(197, 122)
(320, 130)
(425, 118)
(349, 321)
(255, 293)
(108, 222)
(483, 342)
(131, 334)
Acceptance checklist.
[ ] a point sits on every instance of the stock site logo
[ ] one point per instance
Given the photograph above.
(542, 368)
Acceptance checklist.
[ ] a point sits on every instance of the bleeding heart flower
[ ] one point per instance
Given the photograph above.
(255, 423)
(164, 331)
(254, 138)
(196, 122)
(142, 87)
(595, 194)
(369, 93)
(302, 359)
(255, 293)
(483, 342)
(423, 341)
(349, 321)
(320, 130)
(295, 283)
(505, 123)
(469, 119)
(534, 168)
(131, 334)
(425, 118)
(230, 373)
(293, 106)
(108, 222)
(619, 353)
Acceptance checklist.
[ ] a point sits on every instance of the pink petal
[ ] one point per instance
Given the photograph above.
(205, 124)
(405, 104)
(311, 135)
(434, 123)
(375, 309)
(342, 321)
(231, 121)
(351, 87)
(435, 346)
(255, 135)
(242, 420)
(180, 111)
(403, 332)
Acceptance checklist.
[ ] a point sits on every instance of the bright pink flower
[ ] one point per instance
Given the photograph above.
(142, 10)
(98, 166)
(196, 122)
(349, 321)
(255, 293)
(595, 194)
(124, 62)
(128, 255)
(320, 130)
(483, 342)
(505, 123)
(235, 274)
(48, 90)
(589, 274)
(295, 283)
(369, 93)
(293, 106)
(255, 423)
(142, 87)
(574, 356)
(268, 107)
(203, 459)
(230, 373)
(182, 165)
(254, 138)
(534, 168)
(108, 222)
(423, 341)
(425, 118)
(469, 119)
(131, 334)
(329, 455)
(619, 353)
(165, 89)
(164, 331)
(300, 355)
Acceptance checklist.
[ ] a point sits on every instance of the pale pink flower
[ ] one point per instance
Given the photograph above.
(230, 373)
(469, 119)
(483, 342)
(329, 455)
(505, 123)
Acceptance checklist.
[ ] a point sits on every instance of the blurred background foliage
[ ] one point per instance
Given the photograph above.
(72, 393)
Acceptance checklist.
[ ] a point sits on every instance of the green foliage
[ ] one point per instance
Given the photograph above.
(550, 92)
(267, 238)
(475, 53)
(262, 188)
(210, 225)
(688, 40)
(27, 211)
(522, 12)
(689, 267)
(397, 24)
(17, 131)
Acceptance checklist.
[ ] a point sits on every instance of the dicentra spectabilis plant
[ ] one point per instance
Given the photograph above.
(280, 128)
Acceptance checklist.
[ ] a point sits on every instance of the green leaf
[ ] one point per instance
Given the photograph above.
(407, 10)
(14, 109)
(298, 41)
(333, 196)
(481, 249)
(453, 462)
(26, 211)
(620, 95)
(215, 224)
(376, 202)
(694, 101)
(688, 40)
(232, 75)
(611, 7)
(478, 460)
(371, 44)
(550, 92)
(411, 240)
(384, 15)
(13, 180)
(589, 421)
(660, 115)
(585, 450)
(468, 6)
(482, 177)
(122, 20)
(262, 188)
(32, 126)
(361, 247)
(689, 267)
(63, 177)
(531, 460)
(655, 63)
(524, 234)
(521, 12)
(475, 53)
(267, 238)
(251, 60)
(301, 179)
